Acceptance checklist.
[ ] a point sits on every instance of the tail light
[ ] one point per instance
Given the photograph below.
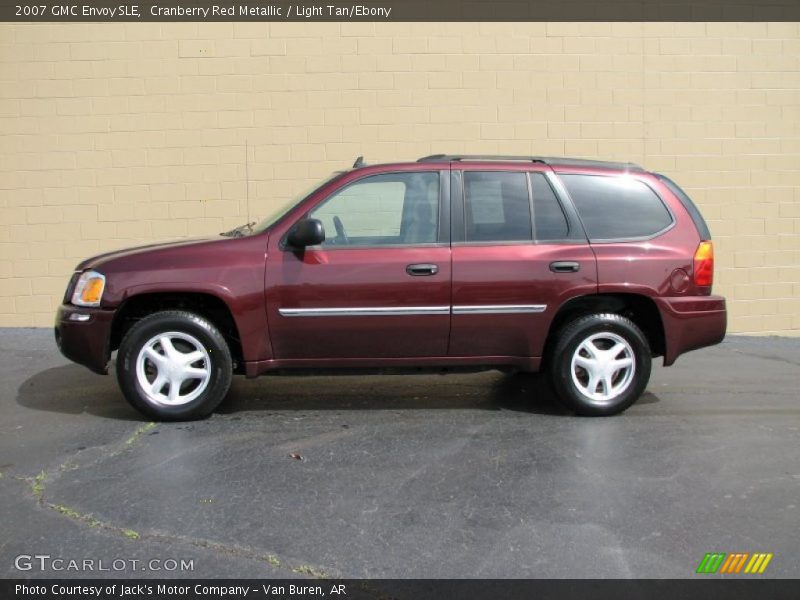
(704, 264)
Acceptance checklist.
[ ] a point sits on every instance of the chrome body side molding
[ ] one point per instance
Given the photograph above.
(365, 311)
(391, 311)
(498, 309)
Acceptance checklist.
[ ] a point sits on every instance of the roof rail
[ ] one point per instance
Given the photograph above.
(460, 157)
(547, 160)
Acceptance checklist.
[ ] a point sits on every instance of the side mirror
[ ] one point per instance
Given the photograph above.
(308, 232)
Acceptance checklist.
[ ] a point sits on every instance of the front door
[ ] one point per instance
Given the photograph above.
(379, 286)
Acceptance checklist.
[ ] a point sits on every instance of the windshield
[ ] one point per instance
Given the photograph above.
(281, 211)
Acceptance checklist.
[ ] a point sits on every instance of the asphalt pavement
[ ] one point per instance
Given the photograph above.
(456, 476)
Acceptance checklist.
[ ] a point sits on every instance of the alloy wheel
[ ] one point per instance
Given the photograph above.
(173, 368)
(603, 367)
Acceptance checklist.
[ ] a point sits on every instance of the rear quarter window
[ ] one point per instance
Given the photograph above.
(614, 208)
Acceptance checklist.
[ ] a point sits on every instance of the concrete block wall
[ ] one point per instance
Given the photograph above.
(119, 134)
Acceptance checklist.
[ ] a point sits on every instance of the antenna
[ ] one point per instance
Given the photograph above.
(359, 162)
(247, 177)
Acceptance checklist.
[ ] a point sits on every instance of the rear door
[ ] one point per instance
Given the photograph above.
(379, 286)
(518, 254)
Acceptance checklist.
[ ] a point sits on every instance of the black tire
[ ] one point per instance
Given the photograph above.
(217, 363)
(592, 329)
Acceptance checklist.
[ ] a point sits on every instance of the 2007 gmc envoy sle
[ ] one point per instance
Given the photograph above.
(584, 269)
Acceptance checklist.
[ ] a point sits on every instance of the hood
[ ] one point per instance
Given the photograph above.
(97, 262)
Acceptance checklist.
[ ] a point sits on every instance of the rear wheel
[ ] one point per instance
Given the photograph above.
(173, 366)
(600, 364)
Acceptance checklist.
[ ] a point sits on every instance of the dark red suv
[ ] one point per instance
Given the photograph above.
(585, 269)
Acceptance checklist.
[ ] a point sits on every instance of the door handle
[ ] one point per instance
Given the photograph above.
(422, 269)
(565, 266)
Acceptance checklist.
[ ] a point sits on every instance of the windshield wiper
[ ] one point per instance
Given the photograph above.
(239, 231)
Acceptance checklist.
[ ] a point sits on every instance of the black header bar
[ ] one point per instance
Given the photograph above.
(398, 10)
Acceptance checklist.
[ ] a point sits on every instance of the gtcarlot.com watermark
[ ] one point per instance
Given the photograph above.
(46, 562)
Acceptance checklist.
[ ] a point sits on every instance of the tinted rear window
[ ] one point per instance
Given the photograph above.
(616, 207)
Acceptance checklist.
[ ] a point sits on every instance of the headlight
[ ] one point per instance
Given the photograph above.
(89, 289)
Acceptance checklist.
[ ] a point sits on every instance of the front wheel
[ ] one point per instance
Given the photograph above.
(600, 364)
(174, 366)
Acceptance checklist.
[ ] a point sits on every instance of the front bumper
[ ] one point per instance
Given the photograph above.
(691, 322)
(83, 335)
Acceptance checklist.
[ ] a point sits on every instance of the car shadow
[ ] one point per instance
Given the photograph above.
(489, 390)
(71, 389)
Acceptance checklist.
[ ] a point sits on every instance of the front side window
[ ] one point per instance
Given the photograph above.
(617, 207)
(497, 207)
(382, 210)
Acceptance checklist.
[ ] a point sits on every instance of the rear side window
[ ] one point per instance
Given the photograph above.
(497, 206)
(616, 207)
(548, 217)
